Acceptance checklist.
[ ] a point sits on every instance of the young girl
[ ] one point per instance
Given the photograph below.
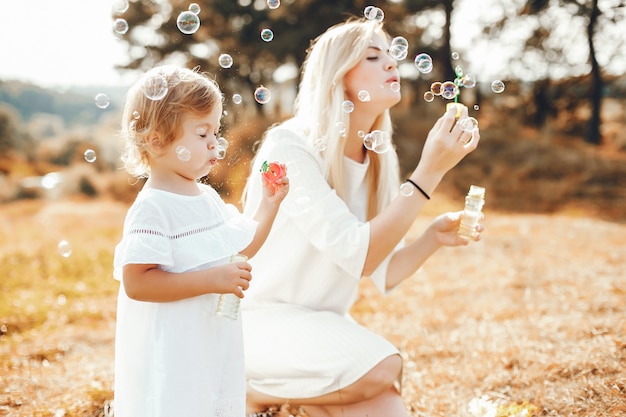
(174, 356)
(345, 218)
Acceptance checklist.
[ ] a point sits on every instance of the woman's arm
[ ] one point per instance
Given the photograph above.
(445, 146)
(147, 282)
(441, 232)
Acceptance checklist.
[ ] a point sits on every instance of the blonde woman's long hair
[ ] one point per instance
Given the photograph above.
(319, 106)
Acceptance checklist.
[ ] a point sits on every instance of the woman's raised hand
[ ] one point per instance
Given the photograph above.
(447, 144)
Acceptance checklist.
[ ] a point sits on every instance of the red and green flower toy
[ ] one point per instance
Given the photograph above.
(273, 171)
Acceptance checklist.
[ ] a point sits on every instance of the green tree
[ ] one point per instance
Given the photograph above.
(233, 27)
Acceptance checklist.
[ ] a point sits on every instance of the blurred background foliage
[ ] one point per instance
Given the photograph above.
(555, 134)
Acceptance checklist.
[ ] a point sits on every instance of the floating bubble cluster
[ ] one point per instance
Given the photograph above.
(399, 48)
(377, 141)
(374, 13)
(188, 22)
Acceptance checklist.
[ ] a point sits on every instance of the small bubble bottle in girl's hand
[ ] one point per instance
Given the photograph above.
(273, 171)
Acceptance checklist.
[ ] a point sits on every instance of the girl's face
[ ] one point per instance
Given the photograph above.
(373, 76)
(192, 155)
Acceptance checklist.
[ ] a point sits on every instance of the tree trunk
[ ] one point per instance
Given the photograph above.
(593, 128)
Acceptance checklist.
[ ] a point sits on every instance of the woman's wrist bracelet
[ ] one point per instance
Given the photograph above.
(424, 193)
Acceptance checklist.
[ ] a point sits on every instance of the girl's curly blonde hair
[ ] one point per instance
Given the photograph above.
(157, 104)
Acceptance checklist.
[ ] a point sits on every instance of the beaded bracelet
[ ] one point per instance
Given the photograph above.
(424, 193)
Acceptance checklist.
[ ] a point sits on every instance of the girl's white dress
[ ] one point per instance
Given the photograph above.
(300, 340)
(179, 358)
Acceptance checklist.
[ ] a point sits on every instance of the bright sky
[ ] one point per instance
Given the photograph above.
(59, 42)
(64, 43)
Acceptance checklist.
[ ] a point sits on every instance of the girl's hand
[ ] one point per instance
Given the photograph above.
(275, 181)
(445, 228)
(233, 278)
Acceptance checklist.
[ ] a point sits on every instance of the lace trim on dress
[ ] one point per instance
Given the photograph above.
(178, 235)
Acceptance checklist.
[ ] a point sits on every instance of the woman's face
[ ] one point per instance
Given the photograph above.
(375, 76)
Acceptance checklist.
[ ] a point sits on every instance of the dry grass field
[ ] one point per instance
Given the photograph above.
(535, 313)
(533, 316)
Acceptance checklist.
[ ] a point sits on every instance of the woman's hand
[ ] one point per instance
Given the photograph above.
(445, 228)
(446, 145)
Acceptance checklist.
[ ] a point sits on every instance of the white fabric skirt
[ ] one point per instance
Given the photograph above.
(292, 352)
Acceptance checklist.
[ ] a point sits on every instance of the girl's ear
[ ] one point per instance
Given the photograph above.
(154, 143)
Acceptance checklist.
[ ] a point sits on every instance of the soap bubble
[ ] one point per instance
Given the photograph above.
(468, 81)
(468, 124)
(395, 86)
(194, 8)
(183, 153)
(424, 63)
(406, 189)
(120, 6)
(341, 128)
(155, 87)
(237, 99)
(449, 90)
(267, 35)
(188, 22)
(64, 248)
(458, 71)
(102, 101)
(221, 152)
(136, 115)
(429, 96)
(225, 61)
(222, 142)
(347, 106)
(398, 52)
(262, 95)
(476, 107)
(120, 26)
(497, 86)
(273, 4)
(364, 95)
(377, 141)
(399, 48)
(51, 180)
(374, 13)
(435, 88)
(454, 55)
(90, 155)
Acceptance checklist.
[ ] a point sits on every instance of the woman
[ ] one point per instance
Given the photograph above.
(344, 218)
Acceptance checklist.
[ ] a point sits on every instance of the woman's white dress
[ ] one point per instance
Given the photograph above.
(179, 358)
(299, 338)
